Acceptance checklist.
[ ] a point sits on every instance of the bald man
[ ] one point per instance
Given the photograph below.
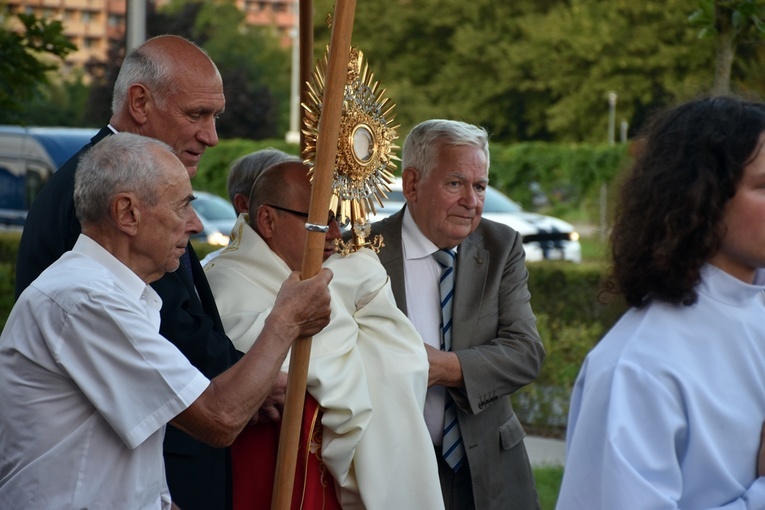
(168, 89)
(367, 371)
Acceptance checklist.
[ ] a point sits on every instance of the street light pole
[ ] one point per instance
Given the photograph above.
(135, 24)
(603, 187)
(611, 117)
(293, 135)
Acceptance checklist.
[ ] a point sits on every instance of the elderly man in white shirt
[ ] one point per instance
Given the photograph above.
(87, 384)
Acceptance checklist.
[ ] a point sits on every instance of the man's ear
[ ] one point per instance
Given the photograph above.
(241, 203)
(410, 179)
(126, 214)
(139, 101)
(264, 222)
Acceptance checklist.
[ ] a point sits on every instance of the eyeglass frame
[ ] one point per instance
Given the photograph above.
(330, 219)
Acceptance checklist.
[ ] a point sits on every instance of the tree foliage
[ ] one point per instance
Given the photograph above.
(541, 70)
(23, 62)
(526, 69)
(255, 71)
(730, 23)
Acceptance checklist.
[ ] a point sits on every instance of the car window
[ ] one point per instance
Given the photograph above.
(395, 196)
(497, 202)
(213, 208)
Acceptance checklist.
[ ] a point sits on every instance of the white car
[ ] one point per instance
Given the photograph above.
(544, 237)
(217, 216)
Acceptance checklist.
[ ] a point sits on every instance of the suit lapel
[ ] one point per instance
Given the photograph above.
(470, 281)
(392, 256)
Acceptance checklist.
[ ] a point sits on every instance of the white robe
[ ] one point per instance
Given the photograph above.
(667, 410)
(368, 371)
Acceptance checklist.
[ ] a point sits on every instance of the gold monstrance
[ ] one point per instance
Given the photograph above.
(364, 163)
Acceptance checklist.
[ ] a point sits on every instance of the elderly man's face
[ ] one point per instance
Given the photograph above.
(165, 227)
(187, 120)
(447, 203)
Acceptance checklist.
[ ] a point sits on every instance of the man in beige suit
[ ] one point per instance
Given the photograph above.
(495, 347)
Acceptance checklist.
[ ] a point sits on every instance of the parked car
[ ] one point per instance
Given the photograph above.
(544, 237)
(28, 157)
(217, 216)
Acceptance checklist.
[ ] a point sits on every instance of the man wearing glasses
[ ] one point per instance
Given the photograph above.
(367, 374)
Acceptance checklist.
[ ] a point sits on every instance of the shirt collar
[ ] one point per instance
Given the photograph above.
(132, 283)
(413, 242)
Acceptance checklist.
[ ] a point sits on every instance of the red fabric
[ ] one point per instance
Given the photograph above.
(253, 462)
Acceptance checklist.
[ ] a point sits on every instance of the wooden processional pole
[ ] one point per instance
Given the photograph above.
(321, 191)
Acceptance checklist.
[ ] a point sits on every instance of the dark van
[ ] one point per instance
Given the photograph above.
(28, 157)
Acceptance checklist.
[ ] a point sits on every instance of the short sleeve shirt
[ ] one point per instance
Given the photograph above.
(87, 385)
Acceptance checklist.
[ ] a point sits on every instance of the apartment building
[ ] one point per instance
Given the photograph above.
(93, 24)
(89, 24)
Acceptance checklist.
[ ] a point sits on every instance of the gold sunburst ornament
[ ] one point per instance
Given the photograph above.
(364, 162)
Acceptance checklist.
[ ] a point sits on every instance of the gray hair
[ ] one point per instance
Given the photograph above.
(150, 68)
(422, 143)
(118, 163)
(246, 169)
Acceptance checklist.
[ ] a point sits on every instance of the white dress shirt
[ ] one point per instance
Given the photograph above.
(423, 306)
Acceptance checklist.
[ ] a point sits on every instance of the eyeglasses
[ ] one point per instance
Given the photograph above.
(330, 218)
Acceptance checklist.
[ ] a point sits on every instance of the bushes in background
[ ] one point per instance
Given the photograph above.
(572, 317)
(9, 245)
(213, 167)
(570, 174)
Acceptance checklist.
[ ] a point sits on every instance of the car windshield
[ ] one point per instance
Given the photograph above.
(497, 202)
(213, 208)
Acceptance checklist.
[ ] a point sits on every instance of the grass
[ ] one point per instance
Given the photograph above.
(548, 485)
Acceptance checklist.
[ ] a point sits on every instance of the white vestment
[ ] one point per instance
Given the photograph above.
(368, 371)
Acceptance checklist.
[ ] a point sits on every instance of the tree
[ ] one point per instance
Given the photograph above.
(255, 71)
(729, 22)
(23, 65)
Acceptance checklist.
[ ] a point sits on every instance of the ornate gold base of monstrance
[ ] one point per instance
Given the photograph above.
(364, 163)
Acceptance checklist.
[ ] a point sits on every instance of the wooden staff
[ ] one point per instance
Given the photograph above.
(321, 191)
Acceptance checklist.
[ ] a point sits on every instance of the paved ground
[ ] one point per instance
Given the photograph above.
(545, 451)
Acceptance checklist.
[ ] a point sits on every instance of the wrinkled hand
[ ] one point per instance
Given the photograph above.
(761, 453)
(445, 368)
(273, 406)
(305, 304)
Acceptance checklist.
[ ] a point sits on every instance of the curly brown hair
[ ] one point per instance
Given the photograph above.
(668, 223)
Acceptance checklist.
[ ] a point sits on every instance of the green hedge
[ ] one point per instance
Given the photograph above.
(9, 245)
(570, 174)
(567, 172)
(572, 316)
(213, 167)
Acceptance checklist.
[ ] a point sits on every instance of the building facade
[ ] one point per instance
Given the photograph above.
(92, 25)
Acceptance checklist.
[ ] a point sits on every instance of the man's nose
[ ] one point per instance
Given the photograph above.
(194, 224)
(208, 133)
(334, 230)
(470, 198)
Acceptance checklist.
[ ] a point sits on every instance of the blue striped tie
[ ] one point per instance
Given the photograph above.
(453, 449)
